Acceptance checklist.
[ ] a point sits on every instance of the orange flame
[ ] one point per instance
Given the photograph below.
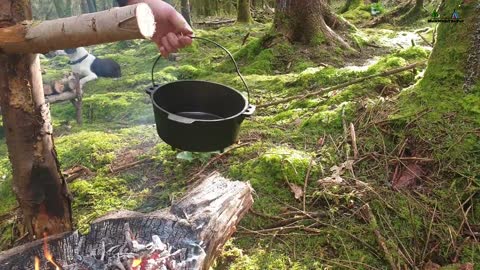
(136, 262)
(48, 255)
(37, 263)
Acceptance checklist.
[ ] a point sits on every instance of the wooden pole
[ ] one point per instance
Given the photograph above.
(38, 183)
(129, 22)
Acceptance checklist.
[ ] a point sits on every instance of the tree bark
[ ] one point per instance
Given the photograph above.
(130, 22)
(308, 21)
(186, 11)
(243, 9)
(38, 183)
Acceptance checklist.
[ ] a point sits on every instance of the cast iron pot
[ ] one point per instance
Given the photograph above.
(199, 116)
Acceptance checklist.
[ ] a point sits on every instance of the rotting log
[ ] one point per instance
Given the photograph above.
(125, 23)
(200, 223)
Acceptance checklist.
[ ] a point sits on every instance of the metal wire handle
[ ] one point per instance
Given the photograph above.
(221, 47)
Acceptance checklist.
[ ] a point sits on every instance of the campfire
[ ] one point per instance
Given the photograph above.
(186, 236)
(131, 254)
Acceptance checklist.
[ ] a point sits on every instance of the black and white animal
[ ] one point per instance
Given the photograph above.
(90, 67)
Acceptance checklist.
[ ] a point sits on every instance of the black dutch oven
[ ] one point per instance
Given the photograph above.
(199, 116)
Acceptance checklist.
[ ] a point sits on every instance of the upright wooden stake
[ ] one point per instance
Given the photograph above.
(38, 183)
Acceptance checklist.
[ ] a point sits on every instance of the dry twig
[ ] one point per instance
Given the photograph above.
(213, 160)
(367, 212)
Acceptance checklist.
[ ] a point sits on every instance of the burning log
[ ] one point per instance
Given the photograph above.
(188, 235)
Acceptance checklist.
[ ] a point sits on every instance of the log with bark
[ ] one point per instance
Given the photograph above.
(191, 232)
(129, 22)
(67, 83)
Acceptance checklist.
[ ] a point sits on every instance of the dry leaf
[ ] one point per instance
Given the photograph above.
(408, 176)
(337, 171)
(297, 190)
(467, 266)
(431, 266)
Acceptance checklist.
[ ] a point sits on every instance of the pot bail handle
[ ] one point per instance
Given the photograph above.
(221, 47)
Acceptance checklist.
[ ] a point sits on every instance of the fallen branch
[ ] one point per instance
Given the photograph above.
(368, 215)
(216, 23)
(129, 165)
(76, 172)
(424, 39)
(343, 85)
(214, 159)
(354, 141)
(245, 39)
(60, 97)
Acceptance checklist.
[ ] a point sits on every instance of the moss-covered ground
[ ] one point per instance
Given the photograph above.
(400, 121)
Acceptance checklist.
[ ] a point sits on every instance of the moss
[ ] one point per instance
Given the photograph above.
(90, 149)
(318, 39)
(184, 72)
(413, 53)
(357, 16)
(261, 259)
(91, 203)
(7, 196)
(8, 200)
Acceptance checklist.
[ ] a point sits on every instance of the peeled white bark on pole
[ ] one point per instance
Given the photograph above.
(125, 23)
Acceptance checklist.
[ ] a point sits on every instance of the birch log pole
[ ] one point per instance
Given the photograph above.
(125, 23)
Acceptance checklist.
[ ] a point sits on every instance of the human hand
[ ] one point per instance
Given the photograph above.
(172, 31)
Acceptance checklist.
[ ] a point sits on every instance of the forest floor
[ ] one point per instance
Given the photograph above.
(340, 180)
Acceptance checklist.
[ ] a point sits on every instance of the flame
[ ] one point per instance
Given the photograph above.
(48, 255)
(37, 263)
(136, 262)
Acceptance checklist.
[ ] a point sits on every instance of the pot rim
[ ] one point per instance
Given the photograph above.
(245, 108)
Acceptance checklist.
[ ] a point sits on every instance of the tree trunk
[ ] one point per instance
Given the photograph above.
(308, 21)
(419, 4)
(186, 11)
(92, 6)
(38, 183)
(60, 8)
(84, 6)
(243, 9)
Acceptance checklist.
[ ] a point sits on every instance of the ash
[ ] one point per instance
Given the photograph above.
(132, 255)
